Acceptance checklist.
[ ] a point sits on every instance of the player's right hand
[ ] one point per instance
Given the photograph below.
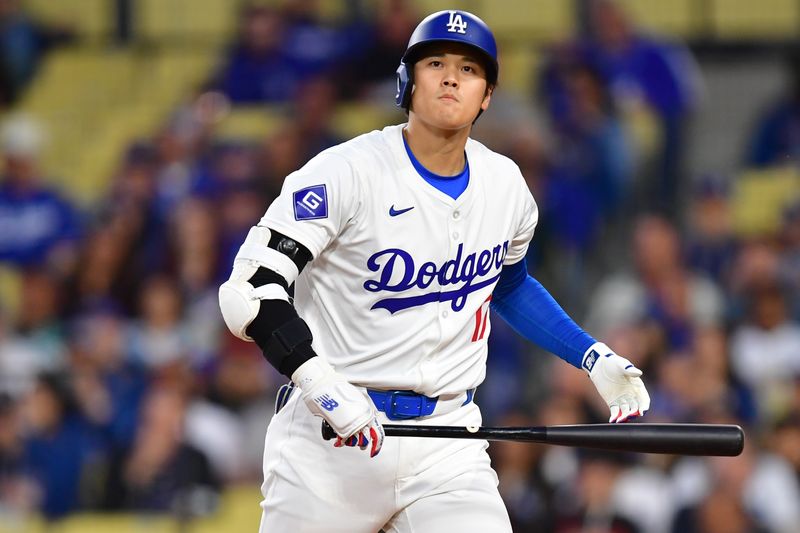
(346, 408)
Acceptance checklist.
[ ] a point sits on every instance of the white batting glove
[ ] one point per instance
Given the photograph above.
(347, 409)
(617, 381)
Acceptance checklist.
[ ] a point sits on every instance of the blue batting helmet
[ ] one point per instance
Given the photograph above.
(446, 26)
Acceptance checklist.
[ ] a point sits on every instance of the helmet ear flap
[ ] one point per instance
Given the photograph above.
(405, 84)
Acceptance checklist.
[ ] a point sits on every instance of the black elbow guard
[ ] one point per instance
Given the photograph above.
(284, 337)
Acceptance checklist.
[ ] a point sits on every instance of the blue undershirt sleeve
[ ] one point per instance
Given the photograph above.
(532, 312)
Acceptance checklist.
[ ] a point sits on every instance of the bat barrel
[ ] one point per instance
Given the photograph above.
(679, 439)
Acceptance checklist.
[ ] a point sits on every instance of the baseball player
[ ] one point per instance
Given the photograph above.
(399, 243)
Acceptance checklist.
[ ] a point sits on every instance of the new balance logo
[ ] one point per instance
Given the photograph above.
(326, 402)
(590, 360)
(456, 23)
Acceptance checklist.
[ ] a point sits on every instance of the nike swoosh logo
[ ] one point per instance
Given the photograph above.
(394, 212)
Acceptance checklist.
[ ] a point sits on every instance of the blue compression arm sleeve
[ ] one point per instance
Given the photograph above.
(533, 313)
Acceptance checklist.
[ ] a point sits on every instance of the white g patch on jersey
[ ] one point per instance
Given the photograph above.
(397, 294)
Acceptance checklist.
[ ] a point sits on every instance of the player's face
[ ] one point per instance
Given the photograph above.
(450, 87)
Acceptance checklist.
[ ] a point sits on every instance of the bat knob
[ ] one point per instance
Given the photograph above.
(327, 431)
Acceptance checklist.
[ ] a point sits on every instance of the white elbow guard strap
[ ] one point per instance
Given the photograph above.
(260, 248)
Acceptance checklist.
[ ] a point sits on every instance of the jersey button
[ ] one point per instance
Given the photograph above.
(455, 235)
(456, 214)
(444, 314)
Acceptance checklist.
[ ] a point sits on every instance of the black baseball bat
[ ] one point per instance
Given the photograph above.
(676, 439)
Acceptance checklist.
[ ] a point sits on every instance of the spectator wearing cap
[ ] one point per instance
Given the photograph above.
(37, 224)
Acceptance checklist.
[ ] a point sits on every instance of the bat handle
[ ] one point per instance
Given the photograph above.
(327, 431)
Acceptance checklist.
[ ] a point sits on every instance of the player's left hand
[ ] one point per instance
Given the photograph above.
(618, 381)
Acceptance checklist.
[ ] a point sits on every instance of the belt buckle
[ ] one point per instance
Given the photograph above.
(391, 405)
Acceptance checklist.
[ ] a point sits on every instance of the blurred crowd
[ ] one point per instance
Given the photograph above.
(121, 389)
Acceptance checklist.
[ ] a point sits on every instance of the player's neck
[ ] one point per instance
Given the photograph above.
(439, 151)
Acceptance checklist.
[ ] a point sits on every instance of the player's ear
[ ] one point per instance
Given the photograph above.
(487, 97)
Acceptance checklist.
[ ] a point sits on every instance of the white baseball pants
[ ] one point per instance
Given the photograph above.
(414, 485)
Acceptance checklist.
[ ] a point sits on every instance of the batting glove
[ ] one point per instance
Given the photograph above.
(617, 381)
(346, 408)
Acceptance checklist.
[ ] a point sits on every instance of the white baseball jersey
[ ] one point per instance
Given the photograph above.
(397, 296)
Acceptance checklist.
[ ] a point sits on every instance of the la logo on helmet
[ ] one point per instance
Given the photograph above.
(456, 23)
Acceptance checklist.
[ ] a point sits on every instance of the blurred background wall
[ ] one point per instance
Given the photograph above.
(140, 140)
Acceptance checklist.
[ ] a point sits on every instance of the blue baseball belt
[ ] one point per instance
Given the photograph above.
(406, 404)
(395, 404)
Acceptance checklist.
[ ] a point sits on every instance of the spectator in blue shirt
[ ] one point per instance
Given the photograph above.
(659, 73)
(257, 69)
(37, 224)
(23, 43)
(775, 139)
(62, 450)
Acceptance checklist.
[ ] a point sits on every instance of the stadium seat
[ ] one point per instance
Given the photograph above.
(91, 19)
(519, 63)
(761, 197)
(250, 123)
(10, 289)
(180, 20)
(238, 510)
(531, 20)
(94, 102)
(353, 119)
(747, 19)
(679, 18)
(426, 7)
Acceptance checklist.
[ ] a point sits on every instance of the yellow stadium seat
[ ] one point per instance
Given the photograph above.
(426, 7)
(94, 102)
(246, 123)
(91, 19)
(238, 510)
(172, 20)
(760, 198)
(748, 19)
(10, 289)
(353, 119)
(680, 18)
(519, 63)
(532, 20)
